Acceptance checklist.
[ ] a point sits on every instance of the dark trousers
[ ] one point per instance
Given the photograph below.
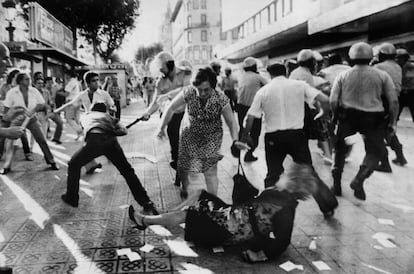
(278, 145)
(118, 109)
(256, 127)
(232, 95)
(406, 99)
(371, 126)
(173, 131)
(55, 117)
(98, 144)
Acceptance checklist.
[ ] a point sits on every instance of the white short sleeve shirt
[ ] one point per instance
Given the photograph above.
(14, 98)
(281, 102)
(99, 96)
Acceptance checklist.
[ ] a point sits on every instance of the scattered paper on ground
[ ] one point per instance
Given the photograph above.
(57, 178)
(385, 221)
(183, 225)
(384, 239)
(123, 206)
(180, 247)
(133, 256)
(289, 266)
(123, 251)
(312, 245)
(160, 230)
(321, 265)
(272, 235)
(218, 249)
(382, 235)
(386, 243)
(378, 247)
(147, 248)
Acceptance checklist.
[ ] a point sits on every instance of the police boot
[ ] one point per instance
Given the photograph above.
(357, 183)
(336, 188)
(384, 166)
(400, 160)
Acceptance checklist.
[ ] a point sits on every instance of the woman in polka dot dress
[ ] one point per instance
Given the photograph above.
(201, 138)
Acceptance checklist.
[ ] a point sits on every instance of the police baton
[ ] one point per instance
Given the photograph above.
(134, 122)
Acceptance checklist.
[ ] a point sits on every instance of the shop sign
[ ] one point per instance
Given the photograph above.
(45, 28)
(117, 66)
(15, 47)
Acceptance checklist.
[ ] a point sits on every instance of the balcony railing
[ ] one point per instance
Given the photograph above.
(197, 25)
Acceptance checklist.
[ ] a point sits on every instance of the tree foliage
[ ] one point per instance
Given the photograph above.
(147, 52)
(104, 23)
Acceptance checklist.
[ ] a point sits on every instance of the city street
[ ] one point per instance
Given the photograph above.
(41, 234)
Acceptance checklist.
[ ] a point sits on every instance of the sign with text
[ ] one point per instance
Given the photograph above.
(45, 28)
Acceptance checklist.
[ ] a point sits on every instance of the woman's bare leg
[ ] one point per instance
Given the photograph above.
(166, 219)
(189, 201)
(212, 180)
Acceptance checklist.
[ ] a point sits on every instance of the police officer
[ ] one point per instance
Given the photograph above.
(387, 63)
(406, 98)
(356, 100)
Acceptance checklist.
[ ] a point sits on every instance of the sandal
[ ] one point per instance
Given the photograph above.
(131, 212)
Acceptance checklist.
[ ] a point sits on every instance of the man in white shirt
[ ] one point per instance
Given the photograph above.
(31, 101)
(93, 94)
(281, 104)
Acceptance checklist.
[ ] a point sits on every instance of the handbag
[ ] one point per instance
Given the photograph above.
(243, 190)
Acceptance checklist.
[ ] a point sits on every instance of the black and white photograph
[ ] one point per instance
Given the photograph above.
(206, 136)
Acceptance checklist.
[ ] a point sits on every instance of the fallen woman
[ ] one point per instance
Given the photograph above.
(263, 225)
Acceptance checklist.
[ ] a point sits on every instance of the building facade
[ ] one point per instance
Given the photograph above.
(197, 31)
(278, 29)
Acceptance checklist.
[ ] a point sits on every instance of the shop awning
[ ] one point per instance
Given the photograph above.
(29, 51)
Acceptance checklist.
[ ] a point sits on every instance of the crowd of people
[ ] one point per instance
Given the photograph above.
(311, 98)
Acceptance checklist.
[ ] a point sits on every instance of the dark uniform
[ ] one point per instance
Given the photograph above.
(356, 98)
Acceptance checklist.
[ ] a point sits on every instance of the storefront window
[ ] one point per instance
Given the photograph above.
(189, 37)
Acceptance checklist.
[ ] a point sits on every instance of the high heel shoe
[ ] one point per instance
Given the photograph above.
(131, 212)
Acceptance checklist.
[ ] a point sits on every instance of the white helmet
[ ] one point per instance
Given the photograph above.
(361, 50)
(249, 62)
(305, 55)
(387, 48)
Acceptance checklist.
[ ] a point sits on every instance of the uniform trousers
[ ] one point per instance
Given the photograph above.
(371, 126)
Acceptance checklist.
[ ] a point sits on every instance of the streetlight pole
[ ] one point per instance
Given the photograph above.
(10, 14)
(11, 30)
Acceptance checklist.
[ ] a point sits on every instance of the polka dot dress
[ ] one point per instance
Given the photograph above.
(201, 138)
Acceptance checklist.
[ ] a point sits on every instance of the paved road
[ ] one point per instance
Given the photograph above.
(40, 234)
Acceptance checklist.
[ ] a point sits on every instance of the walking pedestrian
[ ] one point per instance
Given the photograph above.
(55, 117)
(31, 101)
(356, 101)
(249, 83)
(228, 85)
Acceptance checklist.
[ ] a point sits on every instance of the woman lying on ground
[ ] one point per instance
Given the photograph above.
(262, 225)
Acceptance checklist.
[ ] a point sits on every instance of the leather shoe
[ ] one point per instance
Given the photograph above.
(56, 141)
(53, 166)
(131, 212)
(92, 169)
(70, 202)
(28, 157)
(249, 157)
(5, 170)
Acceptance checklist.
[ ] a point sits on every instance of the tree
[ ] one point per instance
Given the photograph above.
(145, 52)
(104, 23)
